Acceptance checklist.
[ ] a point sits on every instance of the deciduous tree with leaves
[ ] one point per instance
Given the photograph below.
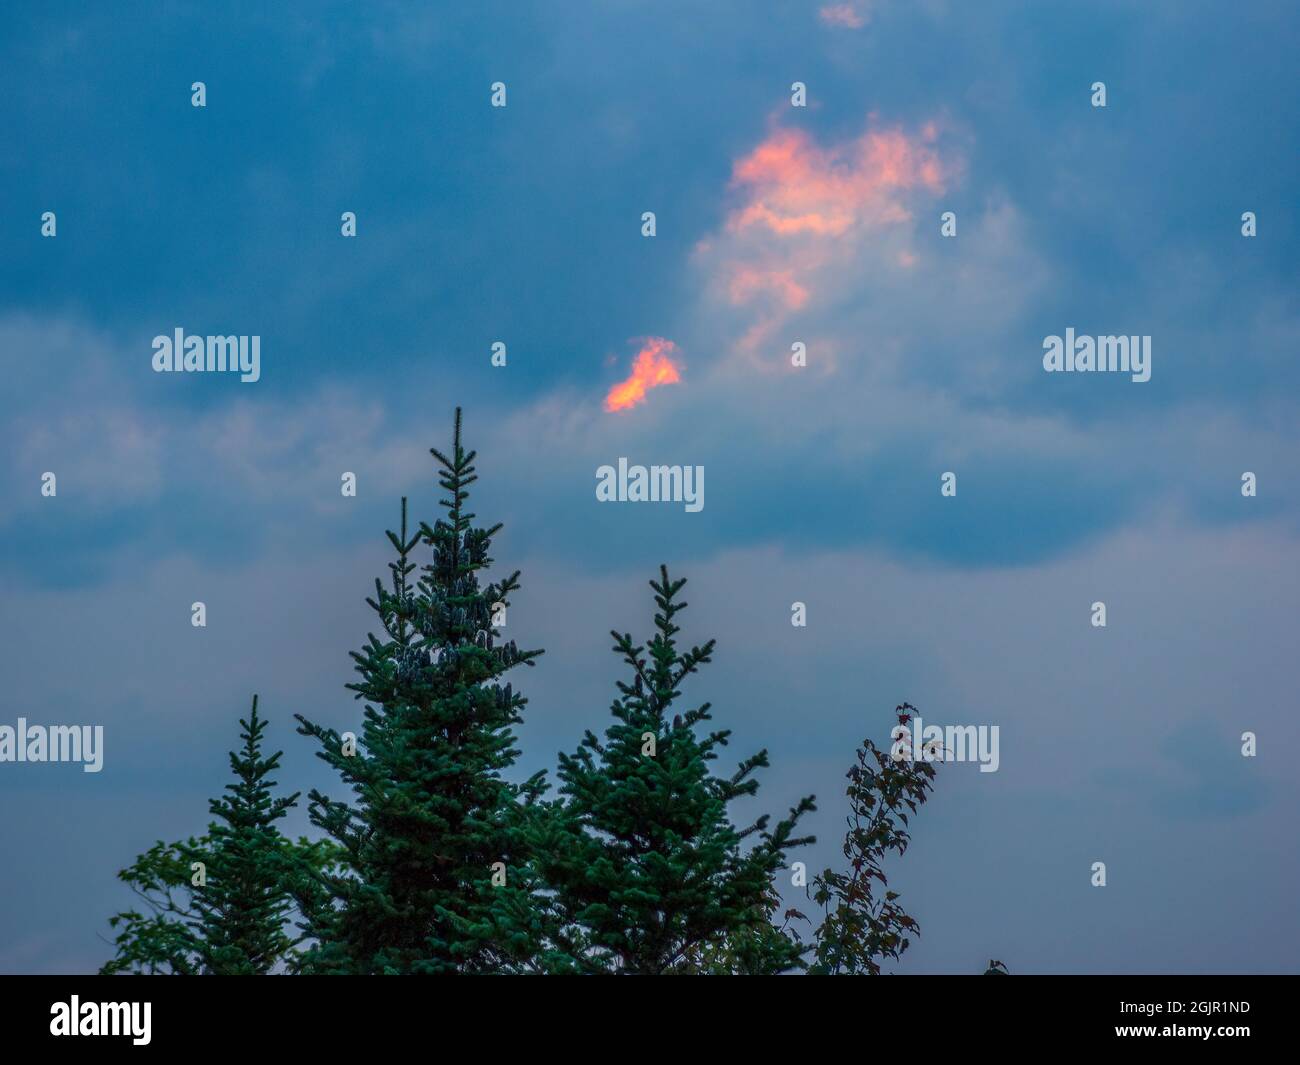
(863, 924)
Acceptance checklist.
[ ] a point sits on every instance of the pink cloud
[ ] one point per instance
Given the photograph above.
(808, 217)
(845, 16)
(746, 283)
(794, 186)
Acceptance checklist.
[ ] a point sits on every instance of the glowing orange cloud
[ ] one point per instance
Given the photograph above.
(652, 367)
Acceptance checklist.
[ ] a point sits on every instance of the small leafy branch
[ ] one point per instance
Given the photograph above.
(863, 923)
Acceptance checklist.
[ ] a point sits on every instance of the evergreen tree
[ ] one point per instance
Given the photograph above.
(646, 873)
(433, 827)
(862, 926)
(243, 909)
(219, 904)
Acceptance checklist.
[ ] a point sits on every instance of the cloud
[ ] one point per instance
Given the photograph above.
(809, 217)
(653, 367)
(845, 16)
(792, 185)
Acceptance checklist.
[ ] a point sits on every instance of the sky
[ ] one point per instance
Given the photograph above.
(774, 225)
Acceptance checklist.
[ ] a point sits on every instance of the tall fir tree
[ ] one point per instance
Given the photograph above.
(219, 904)
(434, 877)
(645, 870)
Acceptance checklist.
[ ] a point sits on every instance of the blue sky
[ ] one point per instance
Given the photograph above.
(523, 224)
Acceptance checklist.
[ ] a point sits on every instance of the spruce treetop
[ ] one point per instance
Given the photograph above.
(432, 812)
(649, 872)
